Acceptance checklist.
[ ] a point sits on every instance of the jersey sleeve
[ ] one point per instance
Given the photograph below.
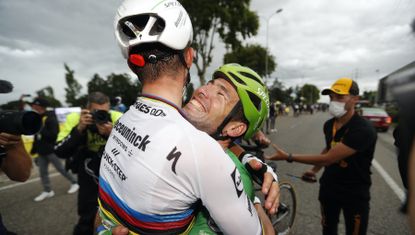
(222, 193)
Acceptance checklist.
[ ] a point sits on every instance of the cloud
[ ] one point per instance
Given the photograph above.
(313, 41)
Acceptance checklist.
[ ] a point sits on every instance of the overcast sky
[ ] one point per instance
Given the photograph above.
(313, 41)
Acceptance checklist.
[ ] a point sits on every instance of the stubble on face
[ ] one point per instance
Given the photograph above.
(210, 104)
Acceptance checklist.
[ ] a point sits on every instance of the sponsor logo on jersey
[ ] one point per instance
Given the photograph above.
(237, 180)
(132, 136)
(249, 205)
(147, 109)
(113, 166)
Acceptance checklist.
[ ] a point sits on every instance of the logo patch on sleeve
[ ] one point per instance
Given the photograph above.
(237, 180)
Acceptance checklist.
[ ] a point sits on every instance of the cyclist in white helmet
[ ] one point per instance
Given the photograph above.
(157, 168)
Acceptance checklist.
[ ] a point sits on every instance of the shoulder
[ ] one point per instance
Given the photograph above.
(363, 126)
(115, 115)
(73, 119)
(328, 123)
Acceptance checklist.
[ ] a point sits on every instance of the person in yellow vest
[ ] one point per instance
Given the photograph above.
(43, 145)
(81, 139)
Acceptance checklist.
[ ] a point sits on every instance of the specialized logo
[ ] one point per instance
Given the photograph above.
(264, 96)
(174, 155)
(114, 167)
(147, 109)
(237, 180)
(132, 136)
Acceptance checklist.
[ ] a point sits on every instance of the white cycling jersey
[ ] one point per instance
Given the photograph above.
(157, 168)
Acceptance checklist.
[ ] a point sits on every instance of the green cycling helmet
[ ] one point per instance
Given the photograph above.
(252, 93)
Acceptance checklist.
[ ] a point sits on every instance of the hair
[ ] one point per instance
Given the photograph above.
(169, 62)
(98, 98)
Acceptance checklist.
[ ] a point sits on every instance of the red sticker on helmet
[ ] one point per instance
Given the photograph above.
(137, 59)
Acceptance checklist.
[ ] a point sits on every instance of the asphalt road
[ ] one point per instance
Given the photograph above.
(303, 134)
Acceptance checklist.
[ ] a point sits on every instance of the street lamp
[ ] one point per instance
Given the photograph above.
(266, 48)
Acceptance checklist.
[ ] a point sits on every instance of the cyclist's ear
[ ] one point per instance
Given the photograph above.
(189, 53)
(234, 129)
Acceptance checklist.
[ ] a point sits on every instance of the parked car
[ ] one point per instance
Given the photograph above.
(378, 117)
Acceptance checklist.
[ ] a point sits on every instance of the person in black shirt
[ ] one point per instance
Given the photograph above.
(43, 145)
(350, 145)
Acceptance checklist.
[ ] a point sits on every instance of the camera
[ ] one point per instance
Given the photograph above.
(99, 117)
(20, 123)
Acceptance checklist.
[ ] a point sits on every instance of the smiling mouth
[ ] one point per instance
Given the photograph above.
(197, 105)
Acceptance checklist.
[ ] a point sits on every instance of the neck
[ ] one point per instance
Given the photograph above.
(167, 88)
(345, 118)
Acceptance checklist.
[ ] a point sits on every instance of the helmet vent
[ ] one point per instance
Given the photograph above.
(158, 27)
(252, 77)
(237, 78)
(132, 26)
(255, 100)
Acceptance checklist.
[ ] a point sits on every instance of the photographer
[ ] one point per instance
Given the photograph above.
(15, 162)
(81, 139)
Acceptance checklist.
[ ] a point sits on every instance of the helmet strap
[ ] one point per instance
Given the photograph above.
(217, 135)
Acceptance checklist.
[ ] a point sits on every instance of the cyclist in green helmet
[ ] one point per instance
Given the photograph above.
(233, 105)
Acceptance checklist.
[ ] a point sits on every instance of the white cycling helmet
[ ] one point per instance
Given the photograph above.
(147, 21)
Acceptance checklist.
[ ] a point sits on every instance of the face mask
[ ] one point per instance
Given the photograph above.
(337, 109)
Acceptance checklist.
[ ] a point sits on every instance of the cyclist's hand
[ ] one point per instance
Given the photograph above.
(271, 190)
(104, 128)
(278, 155)
(119, 230)
(309, 176)
(269, 187)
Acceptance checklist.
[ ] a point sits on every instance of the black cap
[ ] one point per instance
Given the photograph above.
(41, 102)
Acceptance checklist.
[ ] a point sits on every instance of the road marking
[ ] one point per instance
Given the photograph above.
(27, 182)
(388, 179)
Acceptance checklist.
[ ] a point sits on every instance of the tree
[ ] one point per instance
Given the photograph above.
(230, 20)
(116, 85)
(253, 57)
(310, 93)
(278, 92)
(74, 88)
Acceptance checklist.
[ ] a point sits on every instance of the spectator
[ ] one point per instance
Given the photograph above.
(82, 138)
(119, 106)
(43, 145)
(270, 124)
(347, 156)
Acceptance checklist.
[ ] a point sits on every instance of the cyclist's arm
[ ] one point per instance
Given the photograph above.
(221, 191)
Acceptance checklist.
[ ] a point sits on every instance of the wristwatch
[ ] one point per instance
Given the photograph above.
(290, 158)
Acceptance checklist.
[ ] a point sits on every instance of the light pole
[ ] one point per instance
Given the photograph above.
(266, 45)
